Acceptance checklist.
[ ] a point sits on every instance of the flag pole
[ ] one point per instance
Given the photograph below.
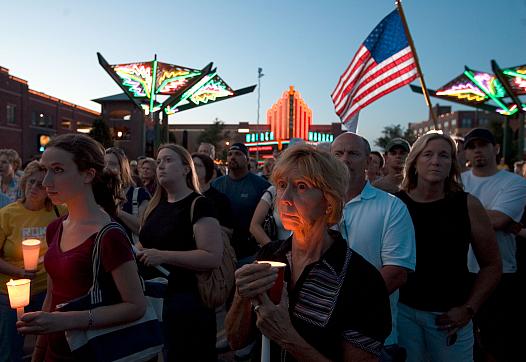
(417, 63)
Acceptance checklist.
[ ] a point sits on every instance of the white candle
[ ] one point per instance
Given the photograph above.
(31, 252)
(19, 291)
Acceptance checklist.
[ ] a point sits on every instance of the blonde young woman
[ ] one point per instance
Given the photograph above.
(335, 305)
(439, 300)
(75, 176)
(184, 243)
(26, 218)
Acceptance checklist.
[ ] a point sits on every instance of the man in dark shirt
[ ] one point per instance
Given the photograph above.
(244, 190)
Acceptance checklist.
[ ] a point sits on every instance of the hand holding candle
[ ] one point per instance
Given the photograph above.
(31, 252)
(275, 292)
(19, 291)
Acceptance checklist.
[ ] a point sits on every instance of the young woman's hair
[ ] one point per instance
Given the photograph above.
(88, 153)
(322, 170)
(208, 163)
(124, 166)
(453, 181)
(32, 168)
(192, 180)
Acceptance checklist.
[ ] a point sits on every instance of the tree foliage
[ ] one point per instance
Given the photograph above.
(394, 131)
(101, 132)
(213, 134)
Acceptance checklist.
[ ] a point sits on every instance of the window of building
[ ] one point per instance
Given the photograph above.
(466, 122)
(11, 114)
(41, 120)
(65, 123)
(483, 122)
(446, 124)
(453, 122)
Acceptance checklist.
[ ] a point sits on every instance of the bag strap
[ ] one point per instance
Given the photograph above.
(95, 291)
(271, 199)
(193, 207)
(135, 202)
(55, 209)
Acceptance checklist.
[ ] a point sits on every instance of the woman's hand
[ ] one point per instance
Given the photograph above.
(454, 319)
(255, 279)
(150, 257)
(40, 323)
(274, 320)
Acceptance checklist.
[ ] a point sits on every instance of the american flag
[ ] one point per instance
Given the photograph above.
(383, 63)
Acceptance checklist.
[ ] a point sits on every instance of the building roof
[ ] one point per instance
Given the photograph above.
(114, 98)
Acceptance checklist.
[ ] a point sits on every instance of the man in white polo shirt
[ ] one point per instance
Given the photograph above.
(376, 225)
(503, 195)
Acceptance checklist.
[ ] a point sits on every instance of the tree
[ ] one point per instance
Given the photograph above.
(389, 132)
(213, 134)
(100, 132)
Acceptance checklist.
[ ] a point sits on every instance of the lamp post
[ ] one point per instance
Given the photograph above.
(260, 75)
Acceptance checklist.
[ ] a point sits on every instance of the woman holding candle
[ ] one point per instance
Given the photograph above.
(75, 176)
(335, 305)
(184, 241)
(24, 219)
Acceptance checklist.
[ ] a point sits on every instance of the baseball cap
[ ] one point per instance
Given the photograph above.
(398, 142)
(479, 134)
(239, 147)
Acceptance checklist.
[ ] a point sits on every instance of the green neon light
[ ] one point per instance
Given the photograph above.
(179, 77)
(469, 74)
(514, 74)
(202, 83)
(154, 81)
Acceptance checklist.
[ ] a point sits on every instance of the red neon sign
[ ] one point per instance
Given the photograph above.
(260, 148)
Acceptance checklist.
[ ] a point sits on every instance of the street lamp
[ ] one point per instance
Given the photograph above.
(260, 75)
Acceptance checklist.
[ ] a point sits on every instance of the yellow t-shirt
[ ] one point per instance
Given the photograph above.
(17, 224)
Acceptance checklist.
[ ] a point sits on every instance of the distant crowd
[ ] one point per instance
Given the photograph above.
(412, 254)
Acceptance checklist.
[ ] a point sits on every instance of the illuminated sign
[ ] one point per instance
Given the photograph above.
(260, 148)
(320, 137)
(260, 136)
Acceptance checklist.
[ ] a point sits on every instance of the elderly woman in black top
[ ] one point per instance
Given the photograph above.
(335, 305)
(438, 301)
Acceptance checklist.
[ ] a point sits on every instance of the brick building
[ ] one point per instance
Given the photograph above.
(28, 117)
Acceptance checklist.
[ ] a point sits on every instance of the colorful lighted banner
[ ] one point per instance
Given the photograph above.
(185, 87)
(517, 79)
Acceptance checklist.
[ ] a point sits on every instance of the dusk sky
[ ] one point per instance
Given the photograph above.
(305, 43)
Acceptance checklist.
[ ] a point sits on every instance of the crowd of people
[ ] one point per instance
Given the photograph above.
(413, 254)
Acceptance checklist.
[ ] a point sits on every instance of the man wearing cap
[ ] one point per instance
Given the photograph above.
(395, 154)
(244, 189)
(377, 225)
(503, 195)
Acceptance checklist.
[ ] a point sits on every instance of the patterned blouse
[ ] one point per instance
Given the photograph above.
(340, 298)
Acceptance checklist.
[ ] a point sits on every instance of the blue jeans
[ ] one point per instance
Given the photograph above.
(11, 342)
(423, 341)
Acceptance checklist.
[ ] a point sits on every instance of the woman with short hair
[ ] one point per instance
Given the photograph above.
(26, 218)
(9, 180)
(335, 304)
(438, 301)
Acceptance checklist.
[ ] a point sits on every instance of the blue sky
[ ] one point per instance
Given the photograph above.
(305, 43)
